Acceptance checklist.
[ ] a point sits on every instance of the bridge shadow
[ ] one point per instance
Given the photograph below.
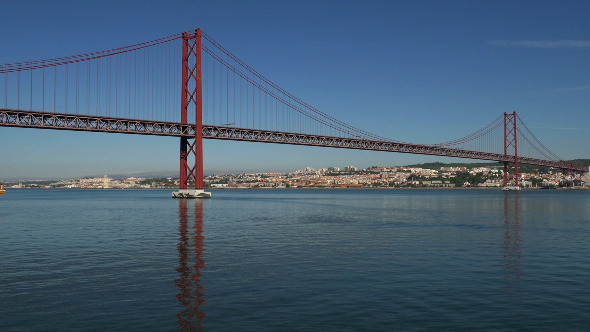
(512, 241)
(190, 263)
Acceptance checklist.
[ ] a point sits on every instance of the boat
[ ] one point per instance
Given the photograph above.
(191, 193)
(2, 190)
(511, 188)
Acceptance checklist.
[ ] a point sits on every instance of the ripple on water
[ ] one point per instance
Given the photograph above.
(295, 260)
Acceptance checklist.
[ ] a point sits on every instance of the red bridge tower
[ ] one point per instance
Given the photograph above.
(192, 94)
(510, 142)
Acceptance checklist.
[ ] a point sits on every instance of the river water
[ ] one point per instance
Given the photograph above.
(295, 260)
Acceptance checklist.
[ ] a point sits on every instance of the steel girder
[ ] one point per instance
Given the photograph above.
(31, 119)
(15, 118)
(218, 132)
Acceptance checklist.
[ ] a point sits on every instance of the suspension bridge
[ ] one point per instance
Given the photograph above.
(135, 90)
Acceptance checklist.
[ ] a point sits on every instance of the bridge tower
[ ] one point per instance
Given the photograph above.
(510, 143)
(192, 94)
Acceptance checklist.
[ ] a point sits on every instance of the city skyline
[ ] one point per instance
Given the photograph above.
(423, 73)
(415, 176)
(172, 174)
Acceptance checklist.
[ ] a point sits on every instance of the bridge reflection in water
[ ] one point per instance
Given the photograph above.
(190, 263)
(512, 251)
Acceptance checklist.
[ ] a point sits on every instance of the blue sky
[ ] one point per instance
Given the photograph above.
(417, 71)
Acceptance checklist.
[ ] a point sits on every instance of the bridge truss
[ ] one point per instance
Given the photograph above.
(29, 119)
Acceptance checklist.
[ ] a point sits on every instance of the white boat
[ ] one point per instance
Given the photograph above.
(191, 193)
(511, 188)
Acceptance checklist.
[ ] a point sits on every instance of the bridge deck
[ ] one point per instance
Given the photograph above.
(31, 119)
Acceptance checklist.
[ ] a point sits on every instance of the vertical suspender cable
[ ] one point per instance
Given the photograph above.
(87, 81)
(55, 89)
(136, 86)
(221, 68)
(214, 109)
(97, 87)
(155, 80)
(43, 89)
(67, 87)
(144, 81)
(149, 81)
(167, 84)
(128, 80)
(18, 96)
(226, 95)
(109, 86)
(207, 91)
(117, 86)
(77, 84)
(31, 96)
(133, 99)
(145, 85)
(247, 105)
(234, 96)
(255, 109)
(240, 102)
(5, 90)
(88, 87)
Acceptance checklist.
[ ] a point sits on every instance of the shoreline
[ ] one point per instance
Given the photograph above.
(316, 188)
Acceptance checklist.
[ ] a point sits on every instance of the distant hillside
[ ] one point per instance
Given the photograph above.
(521, 167)
(584, 162)
(437, 165)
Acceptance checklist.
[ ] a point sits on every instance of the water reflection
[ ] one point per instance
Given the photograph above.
(190, 251)
(512, 252)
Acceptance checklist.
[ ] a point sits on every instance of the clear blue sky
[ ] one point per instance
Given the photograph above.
(417, 71)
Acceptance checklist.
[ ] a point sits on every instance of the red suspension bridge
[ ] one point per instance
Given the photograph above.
(134, 90)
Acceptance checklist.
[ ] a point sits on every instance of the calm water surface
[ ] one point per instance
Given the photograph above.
(295, 260)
